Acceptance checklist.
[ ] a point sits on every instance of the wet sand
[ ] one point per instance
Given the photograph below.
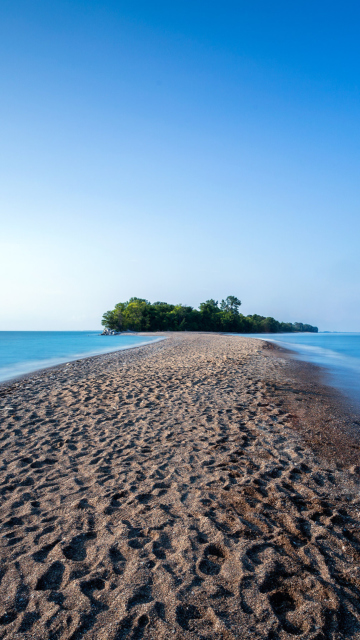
(205, 486)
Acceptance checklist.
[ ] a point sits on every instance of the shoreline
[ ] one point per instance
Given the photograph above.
(343, 427)
(28, 374)
(325, 404)
(201, 486)
(340, 403)
(321, 371)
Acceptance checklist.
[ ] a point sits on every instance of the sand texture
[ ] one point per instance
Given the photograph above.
(171, 492)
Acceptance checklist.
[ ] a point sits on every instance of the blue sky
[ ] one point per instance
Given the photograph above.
(179, 151)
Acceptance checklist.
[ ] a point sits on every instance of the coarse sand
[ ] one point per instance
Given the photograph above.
(203, 487)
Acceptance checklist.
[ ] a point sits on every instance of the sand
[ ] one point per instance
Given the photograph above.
(201, 487)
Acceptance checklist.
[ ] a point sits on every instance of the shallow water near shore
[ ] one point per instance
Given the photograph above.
(22, 352)
(338, 353)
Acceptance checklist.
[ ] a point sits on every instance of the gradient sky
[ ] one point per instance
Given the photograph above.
(179, 151)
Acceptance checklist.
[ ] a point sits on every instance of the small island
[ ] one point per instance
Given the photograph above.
(138, 314)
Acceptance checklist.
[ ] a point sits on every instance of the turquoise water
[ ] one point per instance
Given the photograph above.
(338, 353)
(25, 351)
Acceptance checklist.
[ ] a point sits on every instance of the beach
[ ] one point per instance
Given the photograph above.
(205, 486)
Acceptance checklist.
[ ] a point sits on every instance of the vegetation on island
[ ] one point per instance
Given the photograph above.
(138, 314)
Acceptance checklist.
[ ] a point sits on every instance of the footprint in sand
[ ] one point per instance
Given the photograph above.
(214, 556)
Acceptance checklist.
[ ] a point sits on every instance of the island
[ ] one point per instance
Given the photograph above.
(138, 314)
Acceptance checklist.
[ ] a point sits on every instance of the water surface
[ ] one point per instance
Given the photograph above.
(22, 352)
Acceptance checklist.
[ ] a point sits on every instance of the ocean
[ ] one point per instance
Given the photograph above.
(337, 353)
(22, 352)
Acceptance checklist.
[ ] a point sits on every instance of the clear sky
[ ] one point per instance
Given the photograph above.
(179, 151)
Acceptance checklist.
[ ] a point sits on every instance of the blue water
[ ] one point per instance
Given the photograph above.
(25, 351)
(338, 353)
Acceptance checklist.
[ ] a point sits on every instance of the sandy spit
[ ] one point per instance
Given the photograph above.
(203, 487)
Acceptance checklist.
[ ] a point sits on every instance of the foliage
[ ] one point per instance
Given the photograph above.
(138, 314)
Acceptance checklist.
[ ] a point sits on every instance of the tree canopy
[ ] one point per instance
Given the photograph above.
(138, 314)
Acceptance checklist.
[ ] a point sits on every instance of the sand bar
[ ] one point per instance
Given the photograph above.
(205, 486)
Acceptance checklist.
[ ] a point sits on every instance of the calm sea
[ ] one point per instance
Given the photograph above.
(337, 353)
(25, 351)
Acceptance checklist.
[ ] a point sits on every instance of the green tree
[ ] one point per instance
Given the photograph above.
(112, 320)
(210, 315)
(135, 314)
(231, 304)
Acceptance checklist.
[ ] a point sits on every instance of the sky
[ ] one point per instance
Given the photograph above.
(179, 151)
